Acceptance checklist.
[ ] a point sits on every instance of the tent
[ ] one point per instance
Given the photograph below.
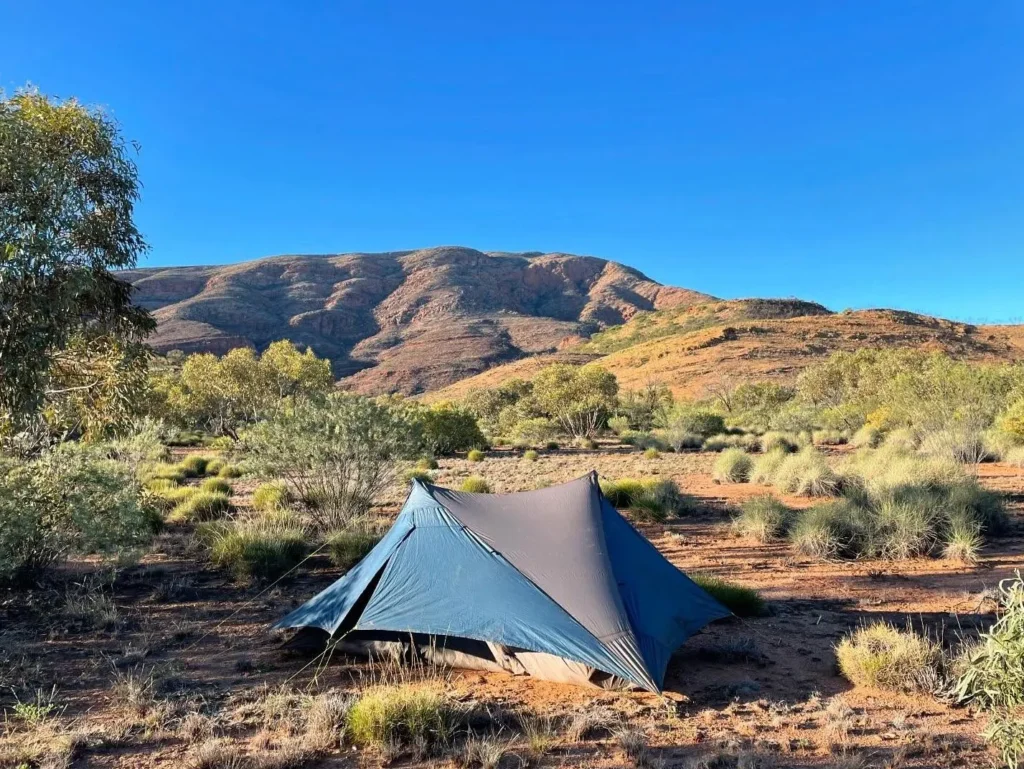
(554, 583)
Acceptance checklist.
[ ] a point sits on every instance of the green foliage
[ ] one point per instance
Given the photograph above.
(1011, 421)
(194, 465)
(215, 466)
(218, 485)
(474, 484)
(262, 550)
(755, 405)
(348, 547)
(763, 518)
(828, 438)
(994, 671)
(66, 206)
(426, 463)
(531, 455)
(223, 394)
(779, 441)
(577, 397)
(337, 456)
(475, 455)
(767, 465)
(229, 471)
(884, 657)
(651, 453)
(72, 499)
(201, 506)
(446, 427)
(1006, 733)
(534, 431)
(643, 408)
(839, 528)
(733, 466)
(400, 717)
(272, 495)
(685, 418)
(806, 473)
(415, 474)
(741, 601)
(724, 441)
(162, 471)
(649, 499)
(512, 399)
(618, 424)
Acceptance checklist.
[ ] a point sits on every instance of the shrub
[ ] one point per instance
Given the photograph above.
(163, 472)
(883, 657)
(217, 485)
(201, 506)
(531, 455)
(679, 440)
(902, 439)
(618, 424)
(68, 500)
(763, 518)
(215, 465)
(579, 398)
(866, 437)
(767, 465)
(651, 453)
(777, 441)
(348, 547)
(401, 717)
(905, 526)
(446, 427)
(475, 456)
(415, 474)
(1014, 457)
(229, 471)
(337, 455)
(741, 601)
(733, 466)
(993, 675)
(272, 495)
(685, 418)
(960, 445)
(806, 473)
(1006, 733)
(193, 465)
(828, 438)
(257, 550)
(474, 484)
(426, 463)
(831, 529)
(551, 446)
(1011, 421)
(649, 499)
(534, 431)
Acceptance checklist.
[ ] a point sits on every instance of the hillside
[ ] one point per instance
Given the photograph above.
(406, 321)
(693, 348)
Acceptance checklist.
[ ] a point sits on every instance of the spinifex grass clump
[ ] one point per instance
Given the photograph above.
(262, 549)
(201, 506)
(348, 546)
(403, 717)
(884, 657)
(741, 601)
(648, 498)
(474, 484)
(763, 518)
(272, 495)
(733, 466)
(806, 473)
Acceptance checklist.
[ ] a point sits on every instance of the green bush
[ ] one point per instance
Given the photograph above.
(778, 441)
(551, 446)
(1006, 733)
(652, 453)
(272, 495)
(903, 439)
(531, 455)
(447, 427)
(648, 499)
(741, 601)
(163, 472)
(426, 463)
(733, 466)
(229, 471)
(475, 456)
(767, 465)
(618, 424)
(401, 717)
(194, 465)
(957, 444)
(167, 497)
(70, 500)
(348, 547)
(337, 455)
(201, 506)
(884, 657)
(763, 518)
(415, 474)
(215, 465)
(534, 431)
(689, 418)
(1011, 421)
(257, 550)
(745, 441)
(217, 485)
(1014, 457)
(474, 484)
(806, 473)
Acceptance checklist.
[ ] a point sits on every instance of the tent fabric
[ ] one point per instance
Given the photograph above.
(555, 582)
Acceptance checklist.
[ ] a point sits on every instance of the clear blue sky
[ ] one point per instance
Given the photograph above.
(866, 153)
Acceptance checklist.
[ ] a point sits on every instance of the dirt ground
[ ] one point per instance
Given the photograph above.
(171, 629)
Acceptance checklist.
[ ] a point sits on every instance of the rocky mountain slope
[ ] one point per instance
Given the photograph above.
(406, 321)
(703, 345)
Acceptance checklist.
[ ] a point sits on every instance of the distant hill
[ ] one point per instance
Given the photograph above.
(407, 321)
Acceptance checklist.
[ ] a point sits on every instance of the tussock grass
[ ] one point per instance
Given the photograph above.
(830, 530)
(348, 547)
(901, 439)
(163, 471)
(828, 438)
(763, 518)
(194, 465)
(216, 485)
(401, 717)
(259, 550)
(1014, 457)
(201, 506)
(723, 441)
(215, 466)
(652, 453)
(733, 466)
(474, 484)
(767, 465)
(741, 601)
(531, 455)
(475, 455)
(416, 474)
(271, 496)
(806, 473)
(774, 440)
(649, 499)
(867, 437)
(885, 657)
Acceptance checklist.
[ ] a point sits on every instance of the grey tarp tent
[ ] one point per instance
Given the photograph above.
(553, 582)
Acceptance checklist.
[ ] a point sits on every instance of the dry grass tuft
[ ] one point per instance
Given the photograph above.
(884, 657)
